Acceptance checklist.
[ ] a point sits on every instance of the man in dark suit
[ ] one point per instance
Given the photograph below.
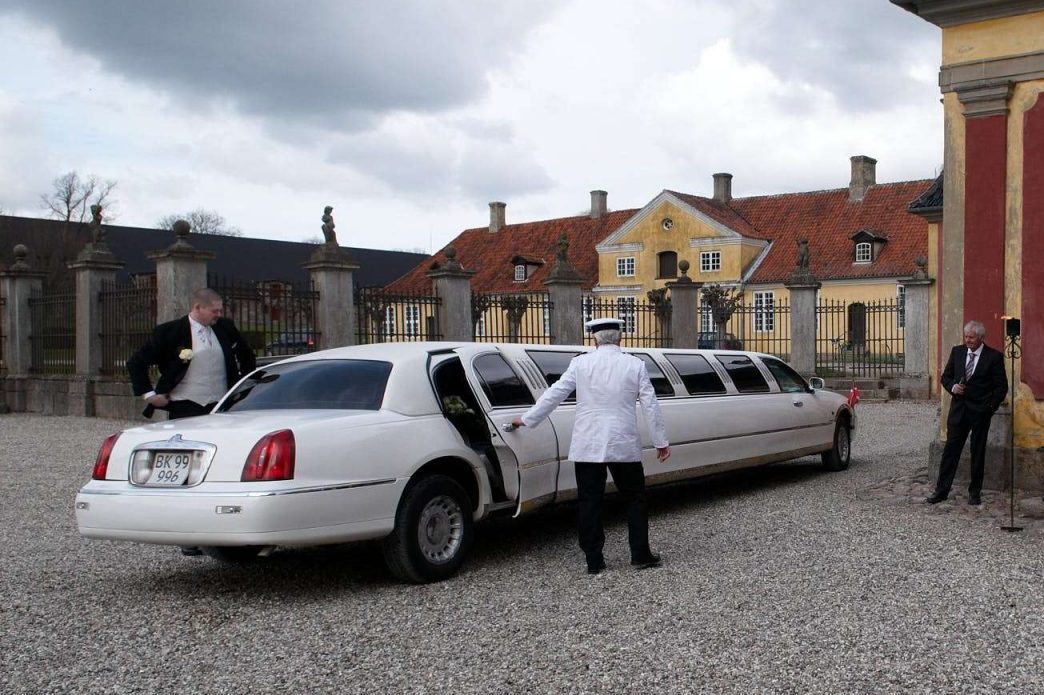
(976, 379)
(200, 356)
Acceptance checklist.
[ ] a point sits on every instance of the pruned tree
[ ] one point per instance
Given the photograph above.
(723, 303)
(203, 221)
(71, 197)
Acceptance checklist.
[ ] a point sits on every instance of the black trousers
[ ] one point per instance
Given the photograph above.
(590, 490)
(958, 426)
(180, 409)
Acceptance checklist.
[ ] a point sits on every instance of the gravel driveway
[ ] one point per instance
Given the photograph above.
(786, 579)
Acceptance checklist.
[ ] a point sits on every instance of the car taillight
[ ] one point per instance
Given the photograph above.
(101, 464)
(272, 458)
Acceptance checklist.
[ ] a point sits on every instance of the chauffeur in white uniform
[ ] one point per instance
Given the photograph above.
(605, 438)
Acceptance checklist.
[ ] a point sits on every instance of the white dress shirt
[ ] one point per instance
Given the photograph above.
(608, 382)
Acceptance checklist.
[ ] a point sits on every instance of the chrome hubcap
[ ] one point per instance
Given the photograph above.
(440, 529)
(842, 443)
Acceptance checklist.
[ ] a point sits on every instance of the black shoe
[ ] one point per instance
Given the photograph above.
(191, 551)
(596, 568)
(935, 498)
(645, 563)
(974, 500)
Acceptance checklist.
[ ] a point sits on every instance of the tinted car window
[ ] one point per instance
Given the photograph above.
(502, 386)
(789, 381)
(697, 374)
(553, 365)
(743, 373)
(338, 384)
(660, 383)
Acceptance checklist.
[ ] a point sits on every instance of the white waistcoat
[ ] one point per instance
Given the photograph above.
(205, 381)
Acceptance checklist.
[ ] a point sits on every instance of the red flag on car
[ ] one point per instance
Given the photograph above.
(853, 395)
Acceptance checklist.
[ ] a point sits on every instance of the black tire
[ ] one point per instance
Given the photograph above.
(433, 531)
(839, 455)
(233, 554)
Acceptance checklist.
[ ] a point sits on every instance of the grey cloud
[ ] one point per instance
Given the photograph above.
(320, 62)
(858, 50)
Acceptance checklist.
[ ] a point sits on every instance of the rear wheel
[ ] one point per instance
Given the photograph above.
(233, 554)
(433, 531)
(839, 456)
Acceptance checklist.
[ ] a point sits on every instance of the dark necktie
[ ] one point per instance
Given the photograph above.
(970, 367)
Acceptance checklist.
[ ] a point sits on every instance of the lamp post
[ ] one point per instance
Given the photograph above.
(1012, 329)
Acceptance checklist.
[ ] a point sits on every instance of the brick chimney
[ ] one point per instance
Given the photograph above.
(864, 175)
(497, 217)
(723, 188)
(599, 204)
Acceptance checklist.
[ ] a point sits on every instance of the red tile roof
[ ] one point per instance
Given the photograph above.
(490, 254)
(826, 218)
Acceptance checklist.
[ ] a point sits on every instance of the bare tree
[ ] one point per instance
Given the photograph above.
(203, 221)
(314, 239)
(72, 197)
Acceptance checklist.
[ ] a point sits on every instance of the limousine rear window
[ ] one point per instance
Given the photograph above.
(789, 380)
(553, 365)
(697, 374)
(316, 384)
(500, 383)
(660, 383)
(744, 373)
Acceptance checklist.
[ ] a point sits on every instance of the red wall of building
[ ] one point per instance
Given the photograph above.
(1033, 250)
(985, 179)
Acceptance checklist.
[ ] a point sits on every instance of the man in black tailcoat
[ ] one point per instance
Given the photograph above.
(976, 379)
(200, 356)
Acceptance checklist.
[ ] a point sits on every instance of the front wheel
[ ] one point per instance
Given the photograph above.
(433, 531)
(840, 455)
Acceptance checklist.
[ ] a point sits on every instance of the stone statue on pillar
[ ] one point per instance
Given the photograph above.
(328, 226)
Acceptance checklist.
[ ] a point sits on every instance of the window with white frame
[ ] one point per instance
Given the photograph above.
(520, 272)
(625, 312)
(625, 267)
(480, 326)
(389, 320)
(817, 311)
(588, 309)
(411, 320)
(764, 312)
(900, 306)
(863, 252)
(546, 320)
(710, 261)
(706, 319)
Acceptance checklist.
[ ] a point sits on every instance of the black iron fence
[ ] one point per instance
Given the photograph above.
(646, 320)
(3, 322)
(128, 315)
(275, 317)
(53, 340)
(763, 326)
(384, 317)
(860, 338)
(512, 318)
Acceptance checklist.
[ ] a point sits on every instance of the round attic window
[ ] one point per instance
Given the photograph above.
(667, 224)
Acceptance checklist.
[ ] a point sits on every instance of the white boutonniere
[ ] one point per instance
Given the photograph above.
(185, 355)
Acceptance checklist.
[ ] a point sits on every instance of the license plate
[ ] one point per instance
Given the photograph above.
(170, 468)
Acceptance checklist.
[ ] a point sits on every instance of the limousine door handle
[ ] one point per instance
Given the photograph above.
(799, 404)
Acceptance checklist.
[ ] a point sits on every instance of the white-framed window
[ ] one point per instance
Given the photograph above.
(764, 312)
(710, 261)
(706, 319)
(625, 312)
(817, 311)
(863, 252)
(546, 320)
(411, 320)
(625, 267)
(900, 306)
(480, 326)
(389, 320)
(588, 308)
(520, 272)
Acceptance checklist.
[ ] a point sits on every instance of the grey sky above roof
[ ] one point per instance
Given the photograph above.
(409, 116)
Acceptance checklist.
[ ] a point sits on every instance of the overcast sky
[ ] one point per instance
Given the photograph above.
(409, 116)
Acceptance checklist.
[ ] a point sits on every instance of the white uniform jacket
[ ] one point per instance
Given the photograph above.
(607, 383)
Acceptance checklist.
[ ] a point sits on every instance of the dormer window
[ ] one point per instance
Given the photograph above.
(868, 244)
(524, 267)
(520, 272)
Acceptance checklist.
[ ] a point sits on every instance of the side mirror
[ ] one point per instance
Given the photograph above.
(817, 383)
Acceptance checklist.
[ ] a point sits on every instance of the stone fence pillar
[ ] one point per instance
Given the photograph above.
(564, 291)
(180, 271)
(803, 289)
(452, 284)
(333, 275)
(685, 309)
(17, 284)
(95, 266)
(916, 381)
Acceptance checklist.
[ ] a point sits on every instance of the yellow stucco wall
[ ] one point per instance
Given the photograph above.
(1009, 36)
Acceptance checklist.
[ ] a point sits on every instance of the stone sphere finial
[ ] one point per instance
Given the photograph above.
(683, 266)
(21, 252)
(451, 253)
(182, 229)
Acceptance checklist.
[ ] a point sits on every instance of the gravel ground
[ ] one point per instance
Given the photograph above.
(786, 579)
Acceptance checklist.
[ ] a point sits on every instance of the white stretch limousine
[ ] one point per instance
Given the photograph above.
(412, 443)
